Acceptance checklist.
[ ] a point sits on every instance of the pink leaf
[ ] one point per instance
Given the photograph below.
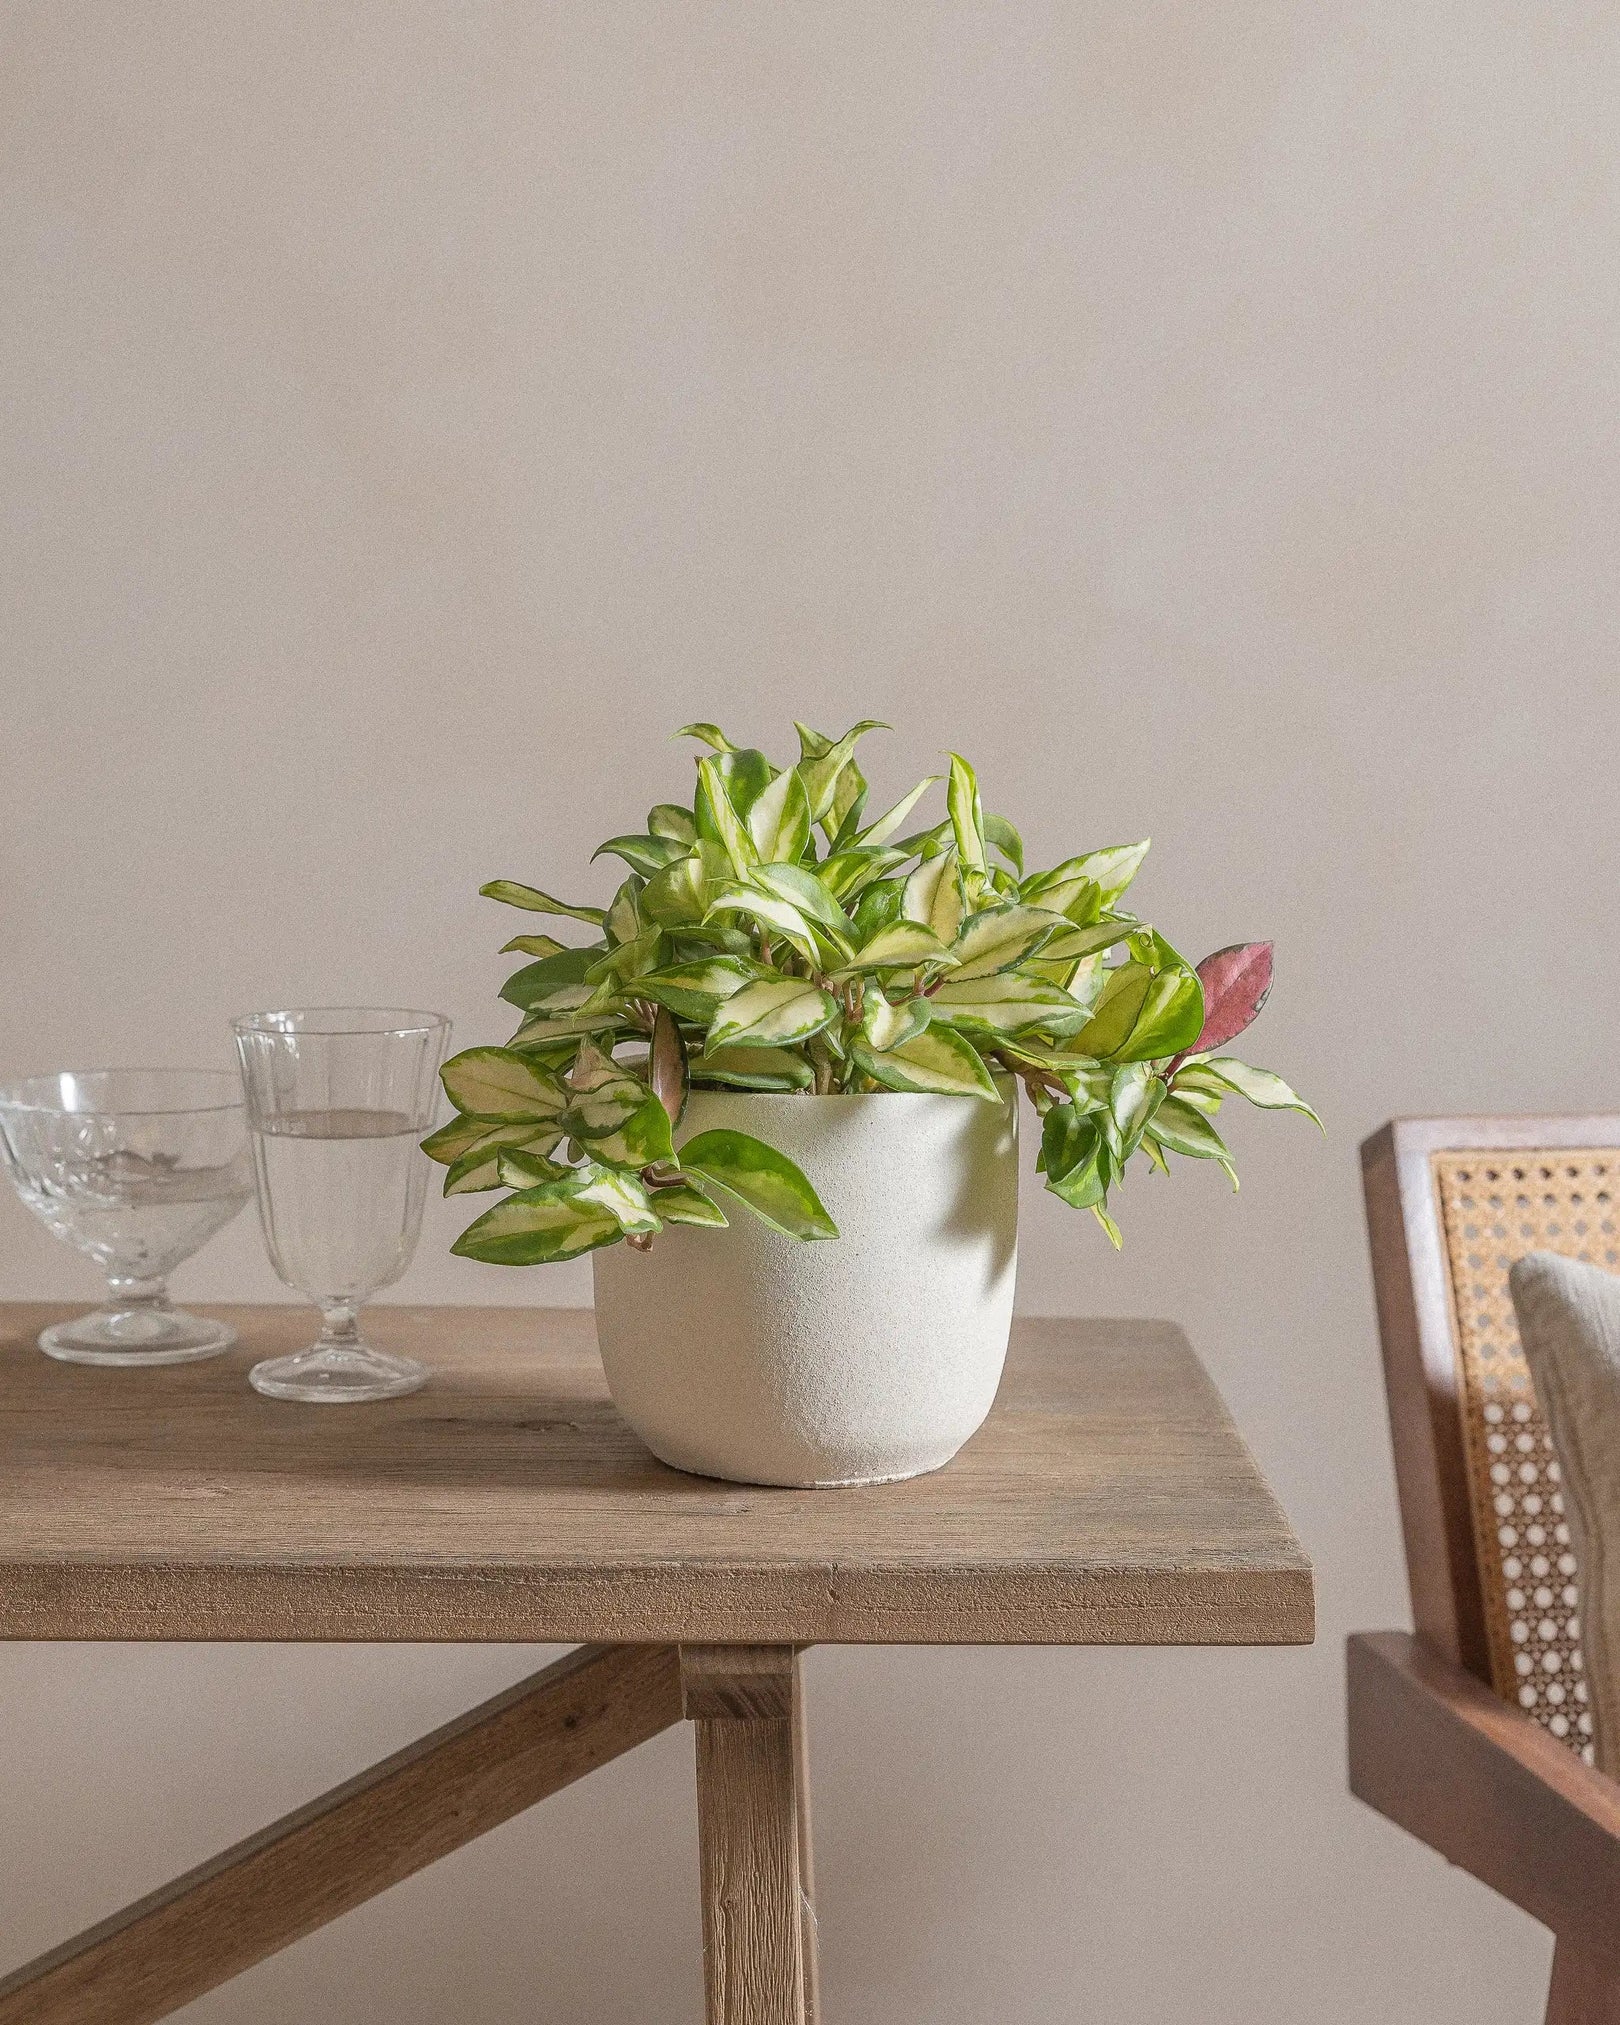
(1236, 982)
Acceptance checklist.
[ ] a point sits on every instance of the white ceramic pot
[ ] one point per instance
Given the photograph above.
(741, 1353)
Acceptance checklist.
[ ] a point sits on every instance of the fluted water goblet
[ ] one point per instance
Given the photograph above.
(338, 1099)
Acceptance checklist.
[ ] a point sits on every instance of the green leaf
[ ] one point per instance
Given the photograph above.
(1114, 1020)
(998, 831)
(937, 1061)
(623, 920)
(1172, 1011)
(461, 1135)
(687, 1203)
(497, 1083)
(767, 1181)
(802, 889)
(753, 1069)
(933, 896)
(538, 1226)
(1134, 1098)
(885, 1026)
(717, 818)
(884, 828)
(533, 945)
(679, 894)
(1069, 943)
(693, 991)
(1108, 1225)
(601, 1093)
(642, 854)
(639, 1141)
(1260, 1086)
(710, 734)
(849, 873)
(820, 771)
(629, 961)
(967, 815)
(902, 945)
(1075, 1157)
(779, 821)
(879, 904)
(511, 894)
(1008, 1004)
(622, 1196)
(777, 915)
(517, 1167)
(1177, 1125)
(770, 1013)
(536, 983)
(477, 1166)
(1000, 937)
(1111, 870)
(543, 1030)
(669, 819)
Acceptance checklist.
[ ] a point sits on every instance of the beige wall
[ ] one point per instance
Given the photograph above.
(1203, 414)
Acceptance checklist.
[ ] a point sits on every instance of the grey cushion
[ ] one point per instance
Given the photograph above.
(1569, 1324)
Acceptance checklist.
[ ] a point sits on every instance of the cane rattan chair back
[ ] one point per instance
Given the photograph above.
(1451, 1203)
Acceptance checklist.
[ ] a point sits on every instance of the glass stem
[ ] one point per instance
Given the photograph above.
(133, 1297)
(340, 1326)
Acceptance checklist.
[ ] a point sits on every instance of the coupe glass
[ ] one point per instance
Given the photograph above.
(136, 1168)
(337, 1099)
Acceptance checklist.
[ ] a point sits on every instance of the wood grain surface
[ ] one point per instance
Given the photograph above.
(758, 1926)
(1472, 1776)
(340, 1850)
(1109, 1499)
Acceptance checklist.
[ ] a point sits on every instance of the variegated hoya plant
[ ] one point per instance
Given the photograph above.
(770, 937)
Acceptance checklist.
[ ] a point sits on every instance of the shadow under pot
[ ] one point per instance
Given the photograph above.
(744, 1354)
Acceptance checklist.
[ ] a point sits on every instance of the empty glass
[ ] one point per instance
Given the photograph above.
(337, 1099)
(137, 1168)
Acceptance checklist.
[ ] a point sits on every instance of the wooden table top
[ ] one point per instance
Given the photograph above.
(1108, 1500)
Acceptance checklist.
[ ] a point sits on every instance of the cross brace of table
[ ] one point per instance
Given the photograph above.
(334, 1853)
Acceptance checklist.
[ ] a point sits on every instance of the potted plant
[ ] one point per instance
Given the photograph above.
(794, 1024)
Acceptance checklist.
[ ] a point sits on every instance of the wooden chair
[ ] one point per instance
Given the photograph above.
(1473, 1733)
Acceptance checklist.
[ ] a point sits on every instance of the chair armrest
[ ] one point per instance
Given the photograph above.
(1437, 1752)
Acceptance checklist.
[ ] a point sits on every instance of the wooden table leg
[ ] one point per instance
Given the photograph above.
(759, 1936)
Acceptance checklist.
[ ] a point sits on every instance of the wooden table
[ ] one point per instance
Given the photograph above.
(1108, 1500)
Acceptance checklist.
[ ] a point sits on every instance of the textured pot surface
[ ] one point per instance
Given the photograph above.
(741, 1353)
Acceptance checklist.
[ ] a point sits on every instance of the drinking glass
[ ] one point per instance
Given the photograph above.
(136, 1168)
(337, 1099)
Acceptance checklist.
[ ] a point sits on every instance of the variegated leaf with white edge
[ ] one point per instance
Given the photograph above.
(903, 945)
(498, 1083)
(776, 915)
(753, 1069)
(770, 1014)
(1000, 937)
(801, 888)
(1260, 1086)
(885, 1025)
(537, 1227)
(936, 1061)
(933, 896)
(884, 828)
(1006, 1004)
(779, 821)
(772, 1186)
(511, 894)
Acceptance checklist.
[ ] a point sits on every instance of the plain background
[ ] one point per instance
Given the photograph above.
(1202, 415)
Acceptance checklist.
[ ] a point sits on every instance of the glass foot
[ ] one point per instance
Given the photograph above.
(143, 1335)
(337, 1374)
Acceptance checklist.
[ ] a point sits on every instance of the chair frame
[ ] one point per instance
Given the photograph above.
(1432, 1746)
